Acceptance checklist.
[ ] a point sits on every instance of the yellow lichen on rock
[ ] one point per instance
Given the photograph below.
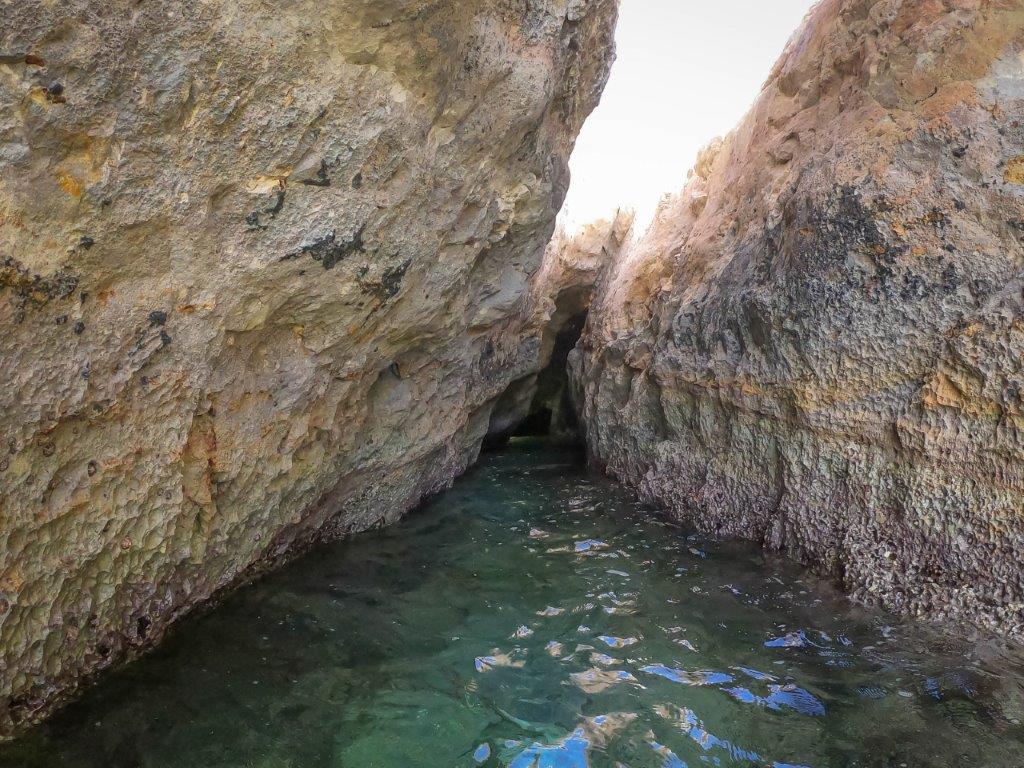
(1014, 173)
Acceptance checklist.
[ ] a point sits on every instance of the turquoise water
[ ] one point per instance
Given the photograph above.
(537, 617)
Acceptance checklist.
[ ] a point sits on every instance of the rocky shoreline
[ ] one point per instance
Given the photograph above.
(817, 344)
(272, 277)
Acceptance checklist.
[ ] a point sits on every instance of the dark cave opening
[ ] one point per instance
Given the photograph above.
(537, 424)
(541, 405)
(551, 410)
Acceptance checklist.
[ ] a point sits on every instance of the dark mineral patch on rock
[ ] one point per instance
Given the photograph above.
(258, 220)
(391, 280)
(36, 288)
(329, 251)
(321, 179)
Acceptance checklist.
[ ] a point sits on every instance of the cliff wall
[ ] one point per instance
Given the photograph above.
(264, 273)
(818, 344)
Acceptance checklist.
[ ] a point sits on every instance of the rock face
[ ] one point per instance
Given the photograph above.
(265, 275)
(819, 342)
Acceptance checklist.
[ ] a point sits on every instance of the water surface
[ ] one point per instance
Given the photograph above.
(536, 616)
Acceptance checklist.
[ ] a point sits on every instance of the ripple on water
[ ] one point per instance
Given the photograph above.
(488, 629)
(617, 642)
(700, 677)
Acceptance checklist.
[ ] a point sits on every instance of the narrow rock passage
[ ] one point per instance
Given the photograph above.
(536, 615)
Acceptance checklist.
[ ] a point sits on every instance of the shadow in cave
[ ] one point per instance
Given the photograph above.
(545, 398)
(552, 411)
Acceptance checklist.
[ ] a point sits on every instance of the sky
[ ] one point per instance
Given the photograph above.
(687, 71)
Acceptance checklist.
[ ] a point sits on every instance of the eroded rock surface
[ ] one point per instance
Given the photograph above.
(265, 268)
(818, 344)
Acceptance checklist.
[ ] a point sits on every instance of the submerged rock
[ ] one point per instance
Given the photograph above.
(818, 342)
(265, 272)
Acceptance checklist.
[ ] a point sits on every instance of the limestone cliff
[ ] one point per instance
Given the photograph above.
(818, 344)
(265, 270)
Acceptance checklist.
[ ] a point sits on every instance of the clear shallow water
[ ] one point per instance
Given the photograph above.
(536, 617)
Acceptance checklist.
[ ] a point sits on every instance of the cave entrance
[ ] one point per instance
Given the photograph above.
(551, 410)
(541, 405)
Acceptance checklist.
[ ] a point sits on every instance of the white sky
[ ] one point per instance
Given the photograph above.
(687, 71)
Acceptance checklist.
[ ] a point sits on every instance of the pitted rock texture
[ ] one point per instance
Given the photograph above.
(265, 273)
(818, 344)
